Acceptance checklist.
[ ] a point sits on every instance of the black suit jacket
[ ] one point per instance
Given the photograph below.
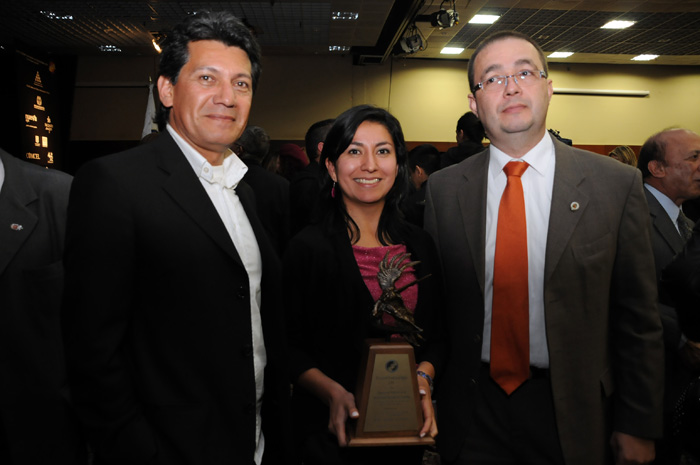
(461, 152)
(272, 203)
(304, 194)
(681, 279)
(158, 317)
(35, 421)
(666, 242)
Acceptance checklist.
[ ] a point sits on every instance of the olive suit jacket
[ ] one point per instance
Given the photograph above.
(157, 316)
(601, 320)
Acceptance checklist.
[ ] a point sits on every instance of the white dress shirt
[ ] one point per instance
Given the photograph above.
(537, 181)
(220, 183)
(2, 175)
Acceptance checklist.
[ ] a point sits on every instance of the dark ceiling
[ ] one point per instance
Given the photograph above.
(670, 28)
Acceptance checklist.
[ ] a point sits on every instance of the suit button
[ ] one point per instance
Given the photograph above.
(247, 350)
(477, 338)
(473, 381)
(241, 294)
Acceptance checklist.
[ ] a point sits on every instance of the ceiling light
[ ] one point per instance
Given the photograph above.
(109, 48)
(52, 15)
(338, 48)
(452, 50)
(560, 55)
(484, 19)
(157, 38)
(618, 24)
(645, 57)
(344, 16)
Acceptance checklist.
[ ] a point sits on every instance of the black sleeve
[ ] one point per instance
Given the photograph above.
(681, 280)
(99, 263)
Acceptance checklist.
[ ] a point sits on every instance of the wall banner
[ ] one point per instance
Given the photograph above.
(38, 108)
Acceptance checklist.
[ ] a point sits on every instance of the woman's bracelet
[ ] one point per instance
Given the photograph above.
(425, 375)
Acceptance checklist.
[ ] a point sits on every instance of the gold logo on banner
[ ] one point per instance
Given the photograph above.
(48, 125)
(50, 155)
(37, 80)
(37, 105)
(28, 118)
(33, 156)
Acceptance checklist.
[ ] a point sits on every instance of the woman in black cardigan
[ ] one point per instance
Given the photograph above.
(327, 294)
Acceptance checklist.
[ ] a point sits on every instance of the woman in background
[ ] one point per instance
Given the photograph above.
(331, 284)
(625, 155)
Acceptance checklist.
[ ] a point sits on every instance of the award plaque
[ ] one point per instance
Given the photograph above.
(387, 398)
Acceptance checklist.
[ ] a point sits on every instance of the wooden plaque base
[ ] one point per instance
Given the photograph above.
(387, 397)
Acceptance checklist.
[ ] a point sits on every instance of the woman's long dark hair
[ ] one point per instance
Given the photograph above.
(391, 224)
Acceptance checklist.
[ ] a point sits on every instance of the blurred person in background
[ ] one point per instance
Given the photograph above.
(624, 154)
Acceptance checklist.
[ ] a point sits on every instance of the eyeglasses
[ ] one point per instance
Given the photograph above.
(523, 78)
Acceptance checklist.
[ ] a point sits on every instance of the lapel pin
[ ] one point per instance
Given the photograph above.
(574, 206)
(16, 227)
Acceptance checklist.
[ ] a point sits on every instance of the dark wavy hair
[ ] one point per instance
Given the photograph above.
(254, 144)
(220, 26)
(315, 134)
(391, 224)
(472, 127)
(427, 156)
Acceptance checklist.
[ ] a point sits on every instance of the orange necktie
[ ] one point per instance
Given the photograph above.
(510, 329)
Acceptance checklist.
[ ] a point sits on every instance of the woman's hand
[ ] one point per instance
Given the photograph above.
(341, 406)
(426, 401)
(341, 403)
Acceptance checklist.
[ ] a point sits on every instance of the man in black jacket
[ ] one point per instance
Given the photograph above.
(36, 425)
(271, 190)
(175, 340)
(470, 134)
(305, 187)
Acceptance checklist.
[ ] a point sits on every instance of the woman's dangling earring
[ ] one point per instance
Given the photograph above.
(333, 190)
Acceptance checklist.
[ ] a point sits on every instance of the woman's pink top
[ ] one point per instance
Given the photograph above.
(368, 259)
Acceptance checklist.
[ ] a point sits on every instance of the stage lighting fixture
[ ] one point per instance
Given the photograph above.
(412, 44)
(412, 41)
(445, 18)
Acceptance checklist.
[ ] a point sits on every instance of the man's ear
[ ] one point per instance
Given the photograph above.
(319, 147)
(472, 105)
(657, 169)
(165, 91)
